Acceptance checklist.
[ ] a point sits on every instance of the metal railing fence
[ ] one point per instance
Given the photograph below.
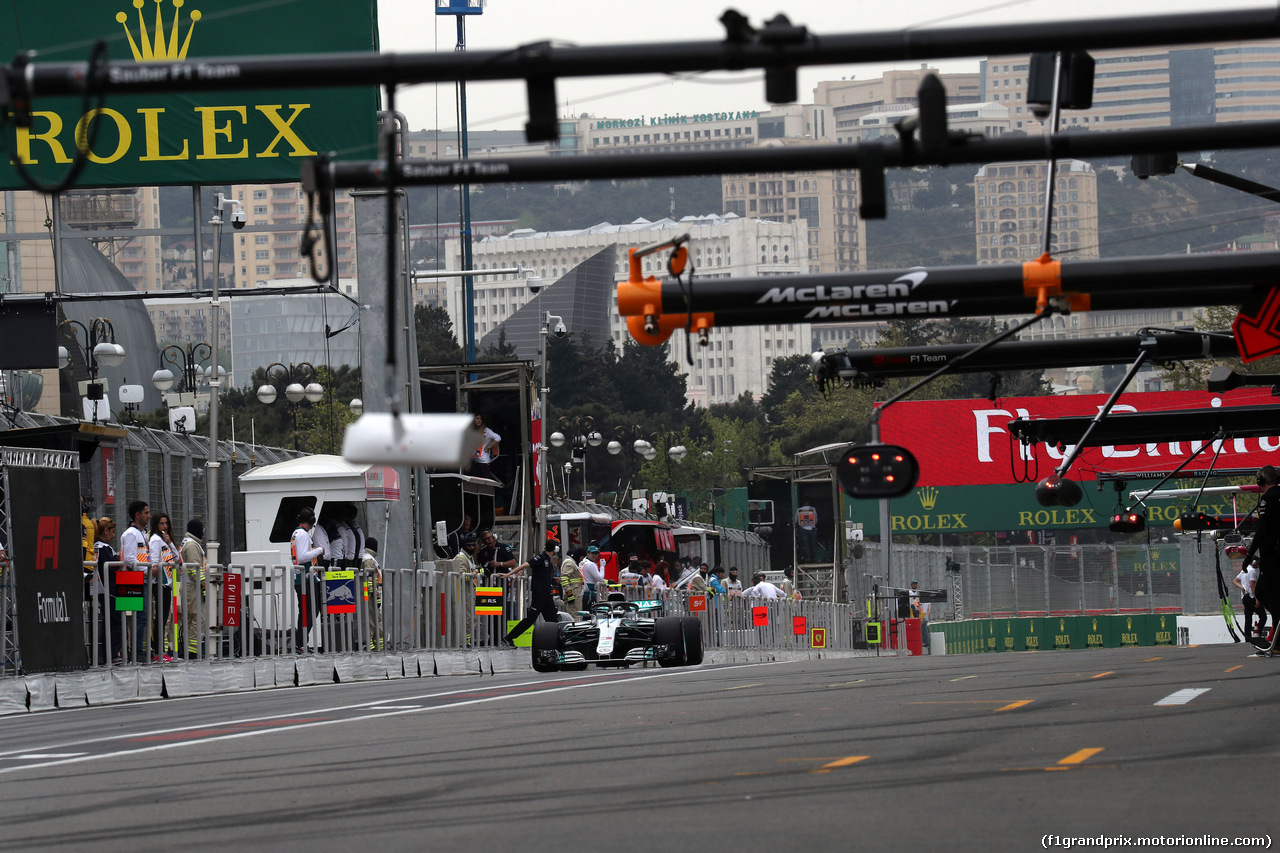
(284, 611)
(1057, 580)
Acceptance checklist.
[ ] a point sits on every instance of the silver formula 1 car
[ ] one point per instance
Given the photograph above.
(618, 633)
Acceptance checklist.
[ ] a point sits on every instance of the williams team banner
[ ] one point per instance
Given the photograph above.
(218, 137)
(43, 489)
(967, 442)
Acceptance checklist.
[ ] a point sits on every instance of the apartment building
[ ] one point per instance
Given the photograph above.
(268, 247)
(1156, 87)
(737, 360)
(1009, 200)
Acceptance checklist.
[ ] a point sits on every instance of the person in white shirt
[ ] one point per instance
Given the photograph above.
(485, 451)
(592, 577)
(732, 584)
(1247, 582)
(136, 557)
(163, 556)
(761, 588)
(352, 536)
(306, 583)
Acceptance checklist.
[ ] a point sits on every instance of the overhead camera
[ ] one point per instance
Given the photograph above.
(560, 330)
(534, 282)
(238, 219)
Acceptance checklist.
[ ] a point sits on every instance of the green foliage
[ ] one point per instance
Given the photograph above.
(437, 343)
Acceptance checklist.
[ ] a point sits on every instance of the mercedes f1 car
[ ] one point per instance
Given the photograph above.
(618, 633)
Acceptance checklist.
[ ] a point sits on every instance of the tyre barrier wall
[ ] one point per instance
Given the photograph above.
(1058, 632)
(253, 612)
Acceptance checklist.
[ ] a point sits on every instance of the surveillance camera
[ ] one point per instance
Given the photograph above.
(560, 330)
(238, 219)
(534, 282)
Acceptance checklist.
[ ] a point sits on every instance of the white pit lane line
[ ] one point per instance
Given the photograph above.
(175, 744)
(1182, 697)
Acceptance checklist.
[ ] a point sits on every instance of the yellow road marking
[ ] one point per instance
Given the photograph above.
(1234, 668)
(742, 687)
(843, 762)
(1081, 755)
(1149, 660)
(1018, 704)
(1099, 675)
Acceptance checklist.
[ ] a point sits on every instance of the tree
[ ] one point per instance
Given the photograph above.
(652, 386)
(437, 343)
(790, 375)
(500, 350)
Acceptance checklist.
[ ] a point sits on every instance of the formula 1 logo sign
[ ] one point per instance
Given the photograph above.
(967, 442)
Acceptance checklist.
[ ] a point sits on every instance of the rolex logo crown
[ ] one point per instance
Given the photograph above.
(153, 46)
(928, 497)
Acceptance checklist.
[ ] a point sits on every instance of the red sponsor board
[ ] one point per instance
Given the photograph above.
(697, 603)
(760, 616)
(799, 626)
(231, 600)
(967, 442)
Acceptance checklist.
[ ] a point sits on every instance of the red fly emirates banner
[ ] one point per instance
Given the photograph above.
(967, 442)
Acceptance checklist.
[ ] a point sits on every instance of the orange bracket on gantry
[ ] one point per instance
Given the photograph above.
(1042, 278)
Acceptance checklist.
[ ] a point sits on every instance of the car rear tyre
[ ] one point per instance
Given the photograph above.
(546, 636)
(667, 631)
(691, 627)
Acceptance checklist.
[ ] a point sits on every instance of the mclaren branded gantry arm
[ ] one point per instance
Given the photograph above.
(872, 366)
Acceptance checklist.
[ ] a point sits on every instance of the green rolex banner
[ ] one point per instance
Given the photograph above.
(218, 137)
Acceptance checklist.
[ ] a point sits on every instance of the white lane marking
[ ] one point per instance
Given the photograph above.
(1182, 697)
(318, 723)
(42, 755)
(393, 707)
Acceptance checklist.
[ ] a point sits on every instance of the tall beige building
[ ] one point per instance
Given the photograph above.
(1009, 200)
(1156, 87)
(268, 247)
(825, 203)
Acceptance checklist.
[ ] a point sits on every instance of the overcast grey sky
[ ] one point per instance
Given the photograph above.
(412, 25)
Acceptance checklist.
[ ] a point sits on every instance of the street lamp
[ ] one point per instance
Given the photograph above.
(100, 350)
(187, 361)
(295, 391)
(585, 435)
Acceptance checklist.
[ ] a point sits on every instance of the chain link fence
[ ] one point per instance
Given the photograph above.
(1043, 580)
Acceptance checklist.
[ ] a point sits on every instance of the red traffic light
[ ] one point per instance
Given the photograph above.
(878, 471)
(1127, 522)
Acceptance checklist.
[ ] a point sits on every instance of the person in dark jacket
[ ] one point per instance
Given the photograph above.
(542, 571)
(1266, 543)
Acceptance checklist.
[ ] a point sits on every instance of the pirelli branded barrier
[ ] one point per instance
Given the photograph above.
(1050, 633)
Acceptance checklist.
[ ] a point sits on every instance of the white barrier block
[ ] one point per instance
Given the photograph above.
(176, 682)
(98, 689)
(40, 692)
(264, 673)
(151, 682)
(286, 672)
(391, 665)
(13, 696)
(306, 669)
(509, 660)
(231, 676)
(346, 669)
(457, 663)
(426, 664)
(69, 690)
(124, 684)
(200, 677)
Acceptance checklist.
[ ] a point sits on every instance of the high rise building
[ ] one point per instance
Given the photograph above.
(1009, 201)
(268, 247)
(1156, 87)
(736, 361)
